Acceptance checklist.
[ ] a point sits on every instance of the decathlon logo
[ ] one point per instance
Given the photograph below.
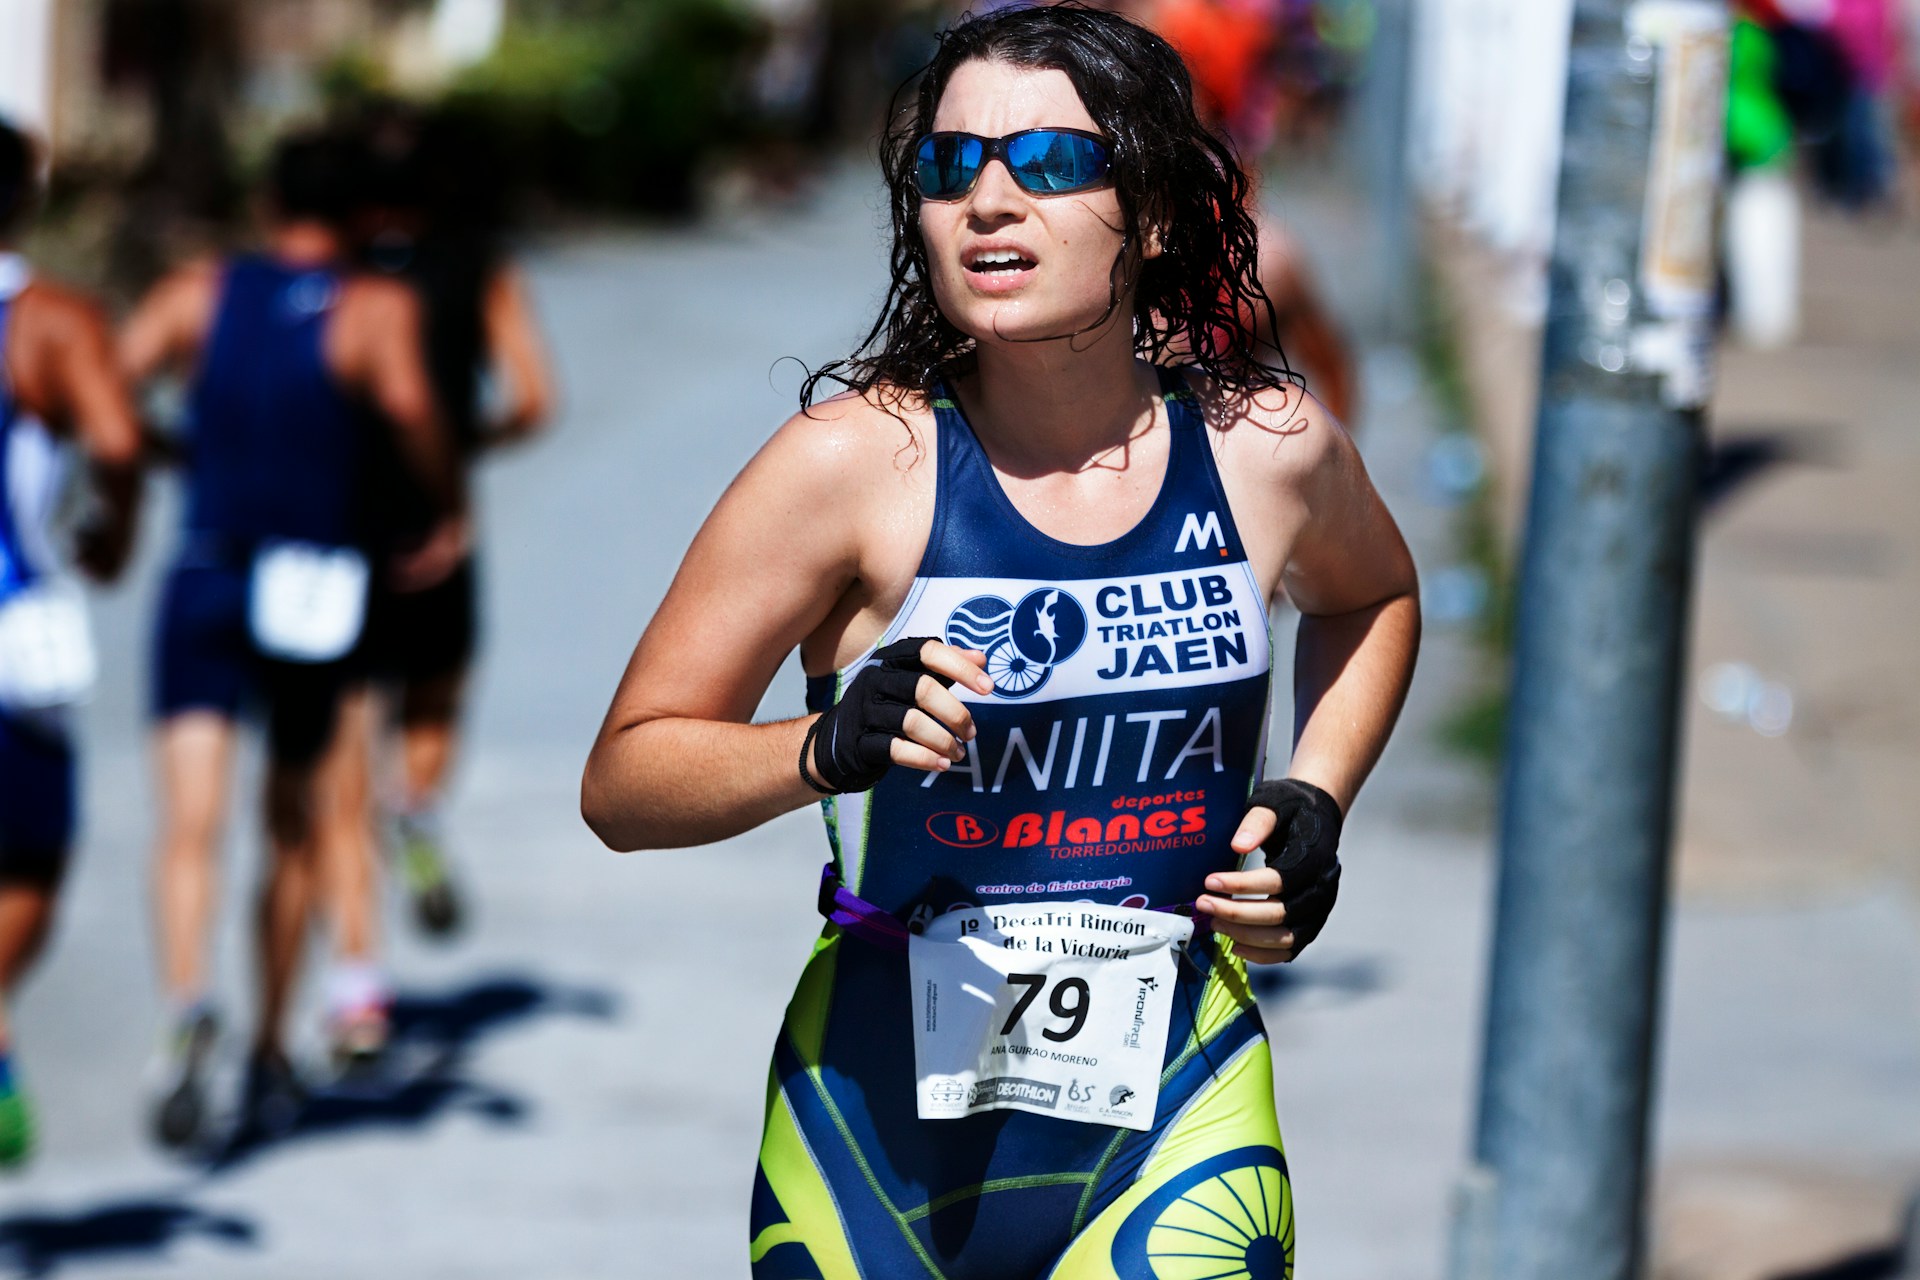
(1200, 534)
(1023, 642)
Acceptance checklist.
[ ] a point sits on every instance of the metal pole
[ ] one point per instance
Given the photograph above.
(1587, 799)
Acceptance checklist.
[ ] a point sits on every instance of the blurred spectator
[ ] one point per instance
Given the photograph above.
(1833, 62)
(1762, 244)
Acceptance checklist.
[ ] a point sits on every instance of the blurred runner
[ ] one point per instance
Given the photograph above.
(1028, 561)
(268, 591)
(429, 218)
(59, 388)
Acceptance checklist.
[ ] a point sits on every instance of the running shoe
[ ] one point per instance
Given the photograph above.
(272, 1097)
(423, 865)
(180, 1103)
(358, 1038)
(16, 1123)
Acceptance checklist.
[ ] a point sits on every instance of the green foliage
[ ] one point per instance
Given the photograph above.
(615, 105)
(1476, 727)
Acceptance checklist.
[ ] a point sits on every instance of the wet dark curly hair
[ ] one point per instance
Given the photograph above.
(1194, 301)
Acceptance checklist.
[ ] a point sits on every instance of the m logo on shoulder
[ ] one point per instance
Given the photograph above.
(1200, 534)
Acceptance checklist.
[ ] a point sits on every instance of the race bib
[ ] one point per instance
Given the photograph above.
(1059, 1008)
(46, 648)
(307, 602)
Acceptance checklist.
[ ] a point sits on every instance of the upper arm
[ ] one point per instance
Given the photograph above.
(92, 391)
(1307, 510)
(513, 339)
(378, 349)
(170, 323)
(779, 550)
(1347, 553)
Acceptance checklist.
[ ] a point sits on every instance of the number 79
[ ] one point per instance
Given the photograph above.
(1074, 1009)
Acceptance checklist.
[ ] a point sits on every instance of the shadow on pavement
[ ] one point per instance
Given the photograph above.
(423, 1073)
(38, 1244)
(1273, 983)
(1738, 458)
(1874, 1264)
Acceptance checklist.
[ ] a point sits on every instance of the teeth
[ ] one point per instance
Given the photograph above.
(996, 258)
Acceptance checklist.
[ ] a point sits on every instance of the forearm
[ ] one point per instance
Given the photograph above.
(117, 486)
(103, 541)
(430, 454)
(1350, 677)
(670, 783)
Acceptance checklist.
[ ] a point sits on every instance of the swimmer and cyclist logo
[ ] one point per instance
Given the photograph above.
(1023, 642)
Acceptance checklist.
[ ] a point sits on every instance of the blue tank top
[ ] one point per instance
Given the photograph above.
(1128, 719)
(31, 466)
(275, 445)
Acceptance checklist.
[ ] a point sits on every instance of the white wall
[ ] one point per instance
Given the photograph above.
(1489, 100)
(26, 63)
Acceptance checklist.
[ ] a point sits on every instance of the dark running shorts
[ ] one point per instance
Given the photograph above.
(416, 636)
(205, 660)
(36, 799)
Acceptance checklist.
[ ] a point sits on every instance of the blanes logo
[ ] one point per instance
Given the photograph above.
(1023, 642)
(962, 830)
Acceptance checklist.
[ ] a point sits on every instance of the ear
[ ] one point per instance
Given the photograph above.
(1152, 242)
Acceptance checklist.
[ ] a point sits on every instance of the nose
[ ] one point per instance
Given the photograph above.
(996, 196)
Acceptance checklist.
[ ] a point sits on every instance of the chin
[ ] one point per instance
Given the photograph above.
(1001, 322)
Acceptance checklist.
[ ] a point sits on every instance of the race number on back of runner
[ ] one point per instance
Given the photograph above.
(47, 657)
(307, 602)
(1060, 1008)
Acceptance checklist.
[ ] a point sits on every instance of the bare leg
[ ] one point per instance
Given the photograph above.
(428, 724)
(288, 899)
(26, 917)
(26, 914)
(429, 730)
(348, 867)
(193, 752)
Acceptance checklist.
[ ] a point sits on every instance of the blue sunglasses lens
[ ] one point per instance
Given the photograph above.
(1042, 161)
(947, 165)
(1045, 162)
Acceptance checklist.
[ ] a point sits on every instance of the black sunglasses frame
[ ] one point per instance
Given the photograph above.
(996, 149)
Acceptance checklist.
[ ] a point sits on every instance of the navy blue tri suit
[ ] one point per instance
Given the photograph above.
(1112, 764)
(275, 452)
(36, 756)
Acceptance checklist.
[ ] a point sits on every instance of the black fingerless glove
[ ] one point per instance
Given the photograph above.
(1304, 849)
(849, 748)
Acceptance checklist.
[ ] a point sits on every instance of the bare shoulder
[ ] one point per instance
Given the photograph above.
(63, 312)
(1279, 434)
(384, 298)
(196, 280)
(183, 298)
(855, 441)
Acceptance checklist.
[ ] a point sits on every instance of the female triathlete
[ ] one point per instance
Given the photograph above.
(1028, 565)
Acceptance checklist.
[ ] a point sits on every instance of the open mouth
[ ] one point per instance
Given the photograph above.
(999, 262)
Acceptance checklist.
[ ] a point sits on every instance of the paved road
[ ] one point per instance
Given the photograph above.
(583, 1074)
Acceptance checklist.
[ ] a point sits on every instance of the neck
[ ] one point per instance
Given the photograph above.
(1058, 405)
(303, 243)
